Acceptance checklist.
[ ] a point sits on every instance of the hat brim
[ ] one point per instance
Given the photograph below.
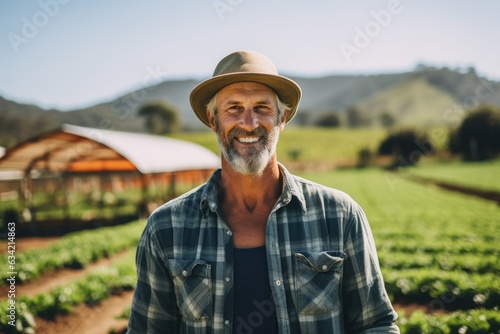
(288, 91)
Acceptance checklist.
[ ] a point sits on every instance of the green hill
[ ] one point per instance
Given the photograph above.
(411, 102)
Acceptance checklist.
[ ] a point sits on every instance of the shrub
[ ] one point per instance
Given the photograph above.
(407, 146)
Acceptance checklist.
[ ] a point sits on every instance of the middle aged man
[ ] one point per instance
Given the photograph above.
(257, 249)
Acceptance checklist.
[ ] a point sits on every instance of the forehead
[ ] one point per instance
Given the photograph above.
(246, 89)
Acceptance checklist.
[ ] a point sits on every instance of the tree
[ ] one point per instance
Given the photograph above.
(330, 119)
(302, 117)
(355, 118)
(387, 120)
(160, 117)
(407, 146)
(478, 136)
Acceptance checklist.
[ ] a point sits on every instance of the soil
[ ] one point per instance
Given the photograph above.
(84, 319)
(50, 280)
(24, 244)
(484, 194)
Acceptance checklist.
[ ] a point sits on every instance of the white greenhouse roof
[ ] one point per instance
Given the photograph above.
(80, 149)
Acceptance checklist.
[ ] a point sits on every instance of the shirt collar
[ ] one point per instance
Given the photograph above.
(291, 188)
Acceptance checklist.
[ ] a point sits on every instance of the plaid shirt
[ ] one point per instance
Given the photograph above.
(323, 267)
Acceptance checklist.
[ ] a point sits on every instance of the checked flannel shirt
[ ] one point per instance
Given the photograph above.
(323, 267)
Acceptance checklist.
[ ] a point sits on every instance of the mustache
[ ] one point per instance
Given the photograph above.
(238, 132)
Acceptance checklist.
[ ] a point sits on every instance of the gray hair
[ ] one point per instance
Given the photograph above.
(282, 107)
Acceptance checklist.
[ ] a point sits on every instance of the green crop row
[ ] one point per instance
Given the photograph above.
(460, 322)
(443, 289)
(92, 289)
(433, 246)
(75, 250)
(396, 206)
(478, 175)
(469, 263)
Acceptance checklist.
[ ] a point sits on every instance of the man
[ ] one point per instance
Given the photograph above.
(256, 249)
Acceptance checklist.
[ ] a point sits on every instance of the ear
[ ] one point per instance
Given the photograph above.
(283, 121)
(211, 120)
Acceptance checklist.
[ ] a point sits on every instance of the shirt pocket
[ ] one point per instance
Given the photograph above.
(193, 288)
(317, 280)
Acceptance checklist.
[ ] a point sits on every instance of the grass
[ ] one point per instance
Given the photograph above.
(481, 175)
(394, 203)
(431, 242)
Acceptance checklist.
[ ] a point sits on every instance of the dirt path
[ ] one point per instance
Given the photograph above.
(24, 244)
(99, 319)
(50, 280)
(484, 194)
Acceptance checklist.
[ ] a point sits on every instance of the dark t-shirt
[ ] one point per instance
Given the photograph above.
(254, 310)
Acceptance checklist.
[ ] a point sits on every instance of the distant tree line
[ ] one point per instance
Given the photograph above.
(477, 138)
(352, 118)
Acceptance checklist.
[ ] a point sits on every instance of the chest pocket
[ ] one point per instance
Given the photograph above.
(317, 279)
(193, 288)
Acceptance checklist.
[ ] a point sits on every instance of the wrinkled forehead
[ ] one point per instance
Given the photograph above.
(246, 90)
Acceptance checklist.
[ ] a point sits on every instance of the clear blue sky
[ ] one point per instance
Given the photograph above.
(74, 53)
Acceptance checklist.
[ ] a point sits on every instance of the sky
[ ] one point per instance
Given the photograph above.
(69, 54)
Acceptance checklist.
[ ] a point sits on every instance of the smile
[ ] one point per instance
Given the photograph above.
(247, 139)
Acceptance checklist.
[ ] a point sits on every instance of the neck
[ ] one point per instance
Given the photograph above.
(251, 191)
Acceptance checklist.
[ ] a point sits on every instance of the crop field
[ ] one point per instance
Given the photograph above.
(438, 250)
(479, 175)
(41, 309)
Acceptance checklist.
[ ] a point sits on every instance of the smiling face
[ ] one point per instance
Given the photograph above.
(247, 125)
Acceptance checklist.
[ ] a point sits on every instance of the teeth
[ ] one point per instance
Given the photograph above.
(248, 139)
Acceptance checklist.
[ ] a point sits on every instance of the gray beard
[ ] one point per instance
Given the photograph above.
(254, 159)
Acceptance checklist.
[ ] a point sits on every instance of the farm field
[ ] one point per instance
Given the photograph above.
(479, 175)
(438, 251)
(42, 306)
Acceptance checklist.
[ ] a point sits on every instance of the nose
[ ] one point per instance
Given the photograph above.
(249, 120)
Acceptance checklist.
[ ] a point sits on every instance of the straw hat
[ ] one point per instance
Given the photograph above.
(245, 66)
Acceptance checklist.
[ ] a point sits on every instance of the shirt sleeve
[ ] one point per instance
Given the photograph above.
(367, 308)
(154, 307)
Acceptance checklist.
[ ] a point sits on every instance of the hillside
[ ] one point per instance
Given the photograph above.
(423, 97)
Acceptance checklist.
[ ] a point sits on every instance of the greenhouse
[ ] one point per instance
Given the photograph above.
(76, 177)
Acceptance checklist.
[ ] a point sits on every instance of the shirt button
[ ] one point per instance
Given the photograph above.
(278, 282)
(228, 279)
(229, 233)
(226, 322)
(324, 267)
(184, 273)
